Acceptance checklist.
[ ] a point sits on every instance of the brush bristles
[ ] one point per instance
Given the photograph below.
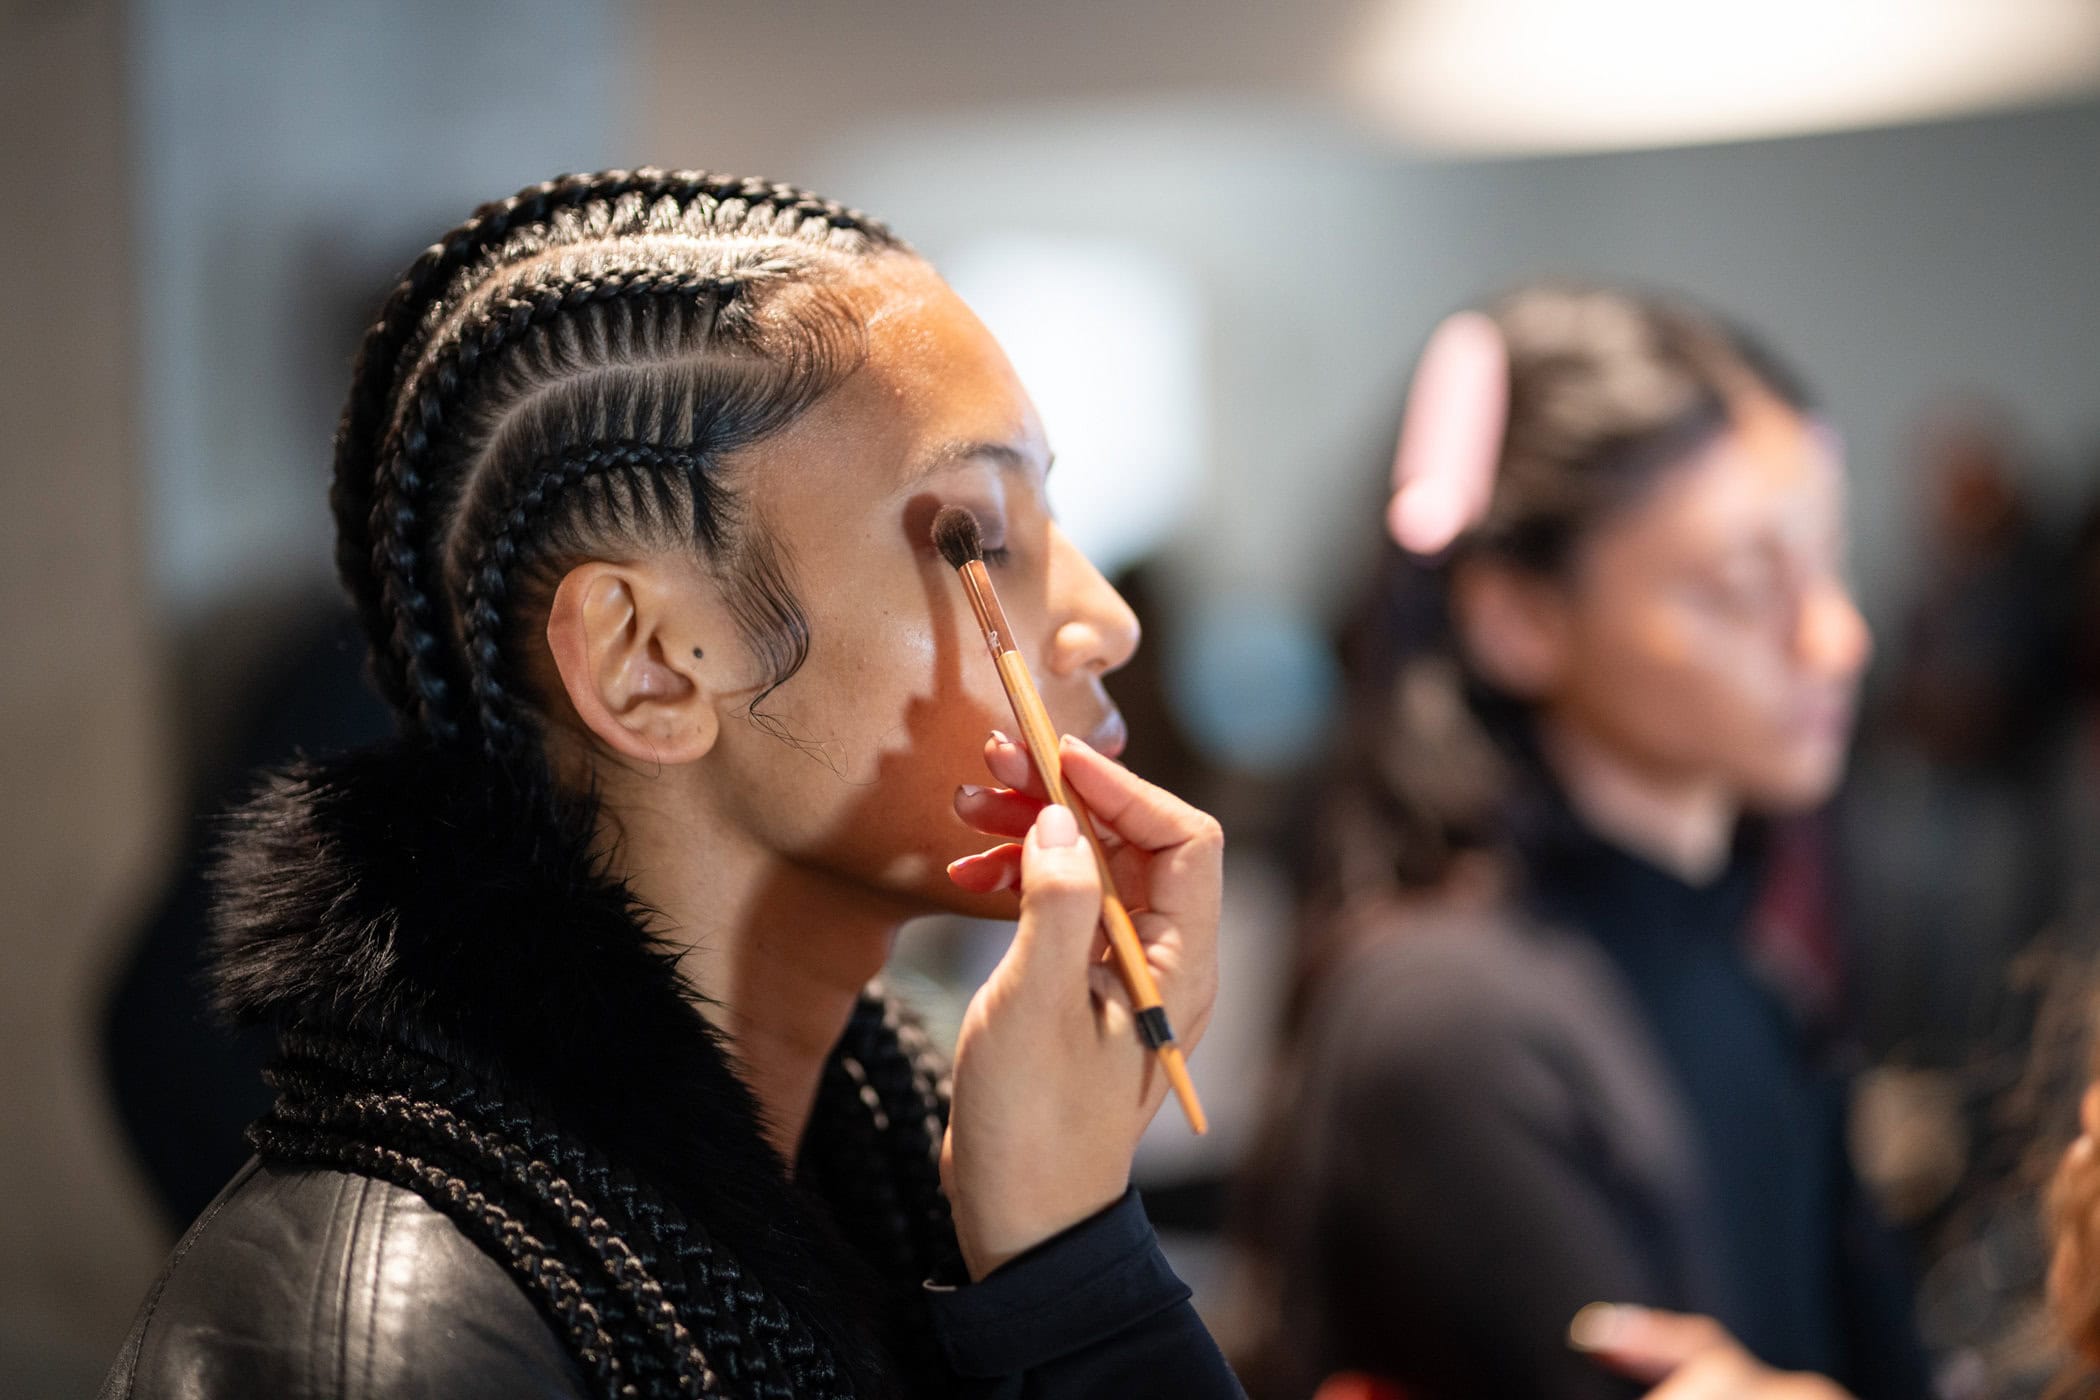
(956, 536)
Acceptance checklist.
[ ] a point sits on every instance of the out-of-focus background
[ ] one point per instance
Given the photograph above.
(1213, 237)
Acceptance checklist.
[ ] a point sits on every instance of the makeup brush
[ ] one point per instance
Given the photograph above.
(956, 535)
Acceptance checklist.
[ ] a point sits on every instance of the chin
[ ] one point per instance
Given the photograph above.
(1801, 786)
(999, 904)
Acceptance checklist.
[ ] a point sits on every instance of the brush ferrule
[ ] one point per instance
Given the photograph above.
(1152, 1025)
(984, 599)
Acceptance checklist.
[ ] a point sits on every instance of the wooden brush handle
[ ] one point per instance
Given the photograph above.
(1129, 951)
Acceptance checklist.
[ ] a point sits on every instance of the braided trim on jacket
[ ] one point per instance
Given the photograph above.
(647, 1304)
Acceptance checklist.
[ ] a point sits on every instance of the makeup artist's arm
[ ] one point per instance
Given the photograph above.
(1068, 1293)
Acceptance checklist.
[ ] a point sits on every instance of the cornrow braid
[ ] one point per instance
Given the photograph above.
(405, 587)
(565, 250)
(496, 556)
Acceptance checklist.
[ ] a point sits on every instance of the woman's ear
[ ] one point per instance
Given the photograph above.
(1513, 625)
(624, 639)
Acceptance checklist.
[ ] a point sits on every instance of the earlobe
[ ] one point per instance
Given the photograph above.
(1511, 627)
(638, 685)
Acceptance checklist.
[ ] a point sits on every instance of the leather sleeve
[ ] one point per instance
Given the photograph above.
(322, 1285)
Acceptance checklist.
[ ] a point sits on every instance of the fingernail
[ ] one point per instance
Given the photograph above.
(999, 738)
(971, 791)
(1601, 1325)
(1073, 741)
(1055, 827)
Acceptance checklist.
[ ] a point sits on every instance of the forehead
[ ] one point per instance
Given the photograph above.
(933, 378)
(1772, 477)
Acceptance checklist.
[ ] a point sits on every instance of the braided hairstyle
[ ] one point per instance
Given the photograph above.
(569, 374)
(570, 368)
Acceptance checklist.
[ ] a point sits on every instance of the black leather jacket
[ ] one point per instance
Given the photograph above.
(305, 1284)
(309, 1283)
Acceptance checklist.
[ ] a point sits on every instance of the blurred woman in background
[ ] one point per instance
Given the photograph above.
(1549, 1048)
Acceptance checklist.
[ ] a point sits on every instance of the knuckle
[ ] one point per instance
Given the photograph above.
(1060, 885)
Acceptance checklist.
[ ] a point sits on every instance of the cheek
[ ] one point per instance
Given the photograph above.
(1655, 659)
(890, 701)
(1682, 688)
(885, 719)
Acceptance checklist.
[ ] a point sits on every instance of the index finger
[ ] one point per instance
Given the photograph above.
(1009, 761)
(1145, 816)
(1647, 1344)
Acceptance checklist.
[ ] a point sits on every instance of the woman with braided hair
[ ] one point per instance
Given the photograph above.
(586, 1086)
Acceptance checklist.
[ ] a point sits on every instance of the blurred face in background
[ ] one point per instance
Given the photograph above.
(1706, 634)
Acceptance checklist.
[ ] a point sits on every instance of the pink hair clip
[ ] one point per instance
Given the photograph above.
(1451, 438)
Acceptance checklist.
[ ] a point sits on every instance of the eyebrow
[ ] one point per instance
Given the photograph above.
(1002, 455)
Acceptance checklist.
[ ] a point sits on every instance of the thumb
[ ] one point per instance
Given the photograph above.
(1646, 1344)
(1060, 901)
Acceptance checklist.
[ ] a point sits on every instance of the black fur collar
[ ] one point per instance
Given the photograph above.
(399, 893)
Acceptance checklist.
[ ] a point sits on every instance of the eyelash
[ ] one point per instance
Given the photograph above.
(998, 557)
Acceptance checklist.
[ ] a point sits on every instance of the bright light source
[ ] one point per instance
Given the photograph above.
(1509, 76)
(1107, 339)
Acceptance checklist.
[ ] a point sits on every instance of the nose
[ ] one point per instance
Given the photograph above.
(1092, 630)
(1831, 636)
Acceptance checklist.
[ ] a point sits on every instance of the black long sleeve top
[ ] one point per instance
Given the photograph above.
(1595, 1096)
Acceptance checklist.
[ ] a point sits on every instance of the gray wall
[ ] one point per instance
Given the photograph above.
(83, 768)
(1889, 265)
(290, 160)
(214, 194)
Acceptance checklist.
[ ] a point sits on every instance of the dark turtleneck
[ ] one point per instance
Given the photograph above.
(1497, 1116)
(1767, 1119)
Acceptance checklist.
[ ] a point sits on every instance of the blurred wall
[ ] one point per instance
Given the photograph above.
(1890, 265)
(82, 767)
(292, 159)
(766, 89)
(215, 195)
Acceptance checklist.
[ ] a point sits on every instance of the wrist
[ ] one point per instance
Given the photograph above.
(999, 1237)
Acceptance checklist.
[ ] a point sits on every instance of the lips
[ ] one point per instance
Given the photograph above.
(1109, 737)
(1823, 718)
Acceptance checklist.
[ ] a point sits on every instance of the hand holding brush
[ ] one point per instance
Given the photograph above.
(956, 535)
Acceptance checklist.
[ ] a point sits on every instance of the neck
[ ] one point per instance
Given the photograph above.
(779, 952)
(1685, 825)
